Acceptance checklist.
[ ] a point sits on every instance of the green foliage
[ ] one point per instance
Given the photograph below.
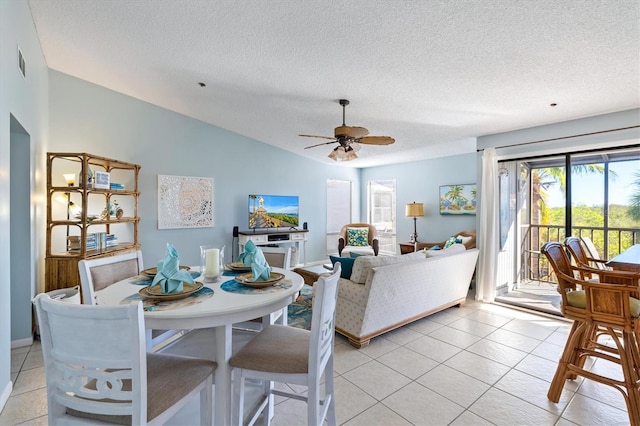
(634, 211)
(593, 217)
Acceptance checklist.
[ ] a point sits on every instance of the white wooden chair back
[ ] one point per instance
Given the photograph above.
(95, 359)
(96, 274)
(278, 257)
(323, 318)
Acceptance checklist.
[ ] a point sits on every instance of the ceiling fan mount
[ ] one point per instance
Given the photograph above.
(349, 138)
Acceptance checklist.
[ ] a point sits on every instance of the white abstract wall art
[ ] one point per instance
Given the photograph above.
(185, 202)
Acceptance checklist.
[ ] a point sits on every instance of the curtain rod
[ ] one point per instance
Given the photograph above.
(562, 137)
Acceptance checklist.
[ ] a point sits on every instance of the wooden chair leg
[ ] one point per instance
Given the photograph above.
(628, 361)
(570, 356)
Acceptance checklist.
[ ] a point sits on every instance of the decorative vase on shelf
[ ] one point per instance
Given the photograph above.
(211, 262)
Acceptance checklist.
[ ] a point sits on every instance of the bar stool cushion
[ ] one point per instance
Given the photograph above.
(577, 299)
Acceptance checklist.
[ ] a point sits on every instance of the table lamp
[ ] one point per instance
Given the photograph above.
(414, 210)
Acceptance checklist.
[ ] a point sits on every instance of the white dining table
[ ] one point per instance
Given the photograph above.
(220, 312)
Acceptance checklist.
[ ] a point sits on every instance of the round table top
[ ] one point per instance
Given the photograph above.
(223, 307)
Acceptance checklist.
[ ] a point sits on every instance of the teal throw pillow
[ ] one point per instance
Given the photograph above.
(346, 263)
(436, 247)
(451, 241)
(353, 254)
(358, 237)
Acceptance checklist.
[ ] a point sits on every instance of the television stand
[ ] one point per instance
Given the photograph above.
(277, 237)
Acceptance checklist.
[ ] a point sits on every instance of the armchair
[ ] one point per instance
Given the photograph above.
(468, 239)
(371, 248)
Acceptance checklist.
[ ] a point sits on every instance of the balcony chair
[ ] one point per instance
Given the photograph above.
(592, 253)
(360, 238)
(97, 274)
(609, 308)
(581, 257)
(97, 370)
(292, 355)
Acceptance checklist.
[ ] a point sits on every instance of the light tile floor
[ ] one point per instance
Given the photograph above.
(479, 364)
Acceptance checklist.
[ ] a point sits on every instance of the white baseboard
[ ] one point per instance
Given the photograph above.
(22, 342)
(4, 397)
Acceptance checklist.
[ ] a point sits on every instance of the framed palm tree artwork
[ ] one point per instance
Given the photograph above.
(458, 199)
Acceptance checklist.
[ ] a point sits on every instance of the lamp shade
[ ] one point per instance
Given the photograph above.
(70, 178)
(414, 210)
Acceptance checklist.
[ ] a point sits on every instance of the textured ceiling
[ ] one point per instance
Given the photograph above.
(433, 74)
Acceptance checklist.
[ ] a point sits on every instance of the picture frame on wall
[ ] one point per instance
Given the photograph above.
(459, 199)
(185, 202)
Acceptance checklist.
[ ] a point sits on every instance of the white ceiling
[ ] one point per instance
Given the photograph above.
(433, 74)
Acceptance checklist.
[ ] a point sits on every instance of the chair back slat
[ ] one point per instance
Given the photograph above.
(95, 358)
(323, 319)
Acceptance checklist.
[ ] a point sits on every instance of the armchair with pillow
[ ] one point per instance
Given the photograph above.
(466, 237)
(360, 238)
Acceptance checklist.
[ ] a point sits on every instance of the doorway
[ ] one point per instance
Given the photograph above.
(588, 194)
(20, 239)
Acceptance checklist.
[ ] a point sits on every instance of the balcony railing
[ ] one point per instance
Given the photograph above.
(610, 242)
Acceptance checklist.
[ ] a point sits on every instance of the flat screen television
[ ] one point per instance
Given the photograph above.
(273, 211)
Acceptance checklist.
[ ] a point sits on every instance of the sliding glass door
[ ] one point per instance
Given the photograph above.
(594, 195)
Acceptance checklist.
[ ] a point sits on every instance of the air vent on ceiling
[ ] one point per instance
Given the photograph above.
(22, 66)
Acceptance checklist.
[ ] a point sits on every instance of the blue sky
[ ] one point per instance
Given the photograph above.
(589, 189)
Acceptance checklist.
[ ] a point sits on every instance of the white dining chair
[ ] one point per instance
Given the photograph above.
(291, 355)
(279, 257)
(97, 369)
(97, 274)
(276, 257)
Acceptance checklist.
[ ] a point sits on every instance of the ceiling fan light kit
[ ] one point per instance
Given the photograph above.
(341, 153)
(349, 139)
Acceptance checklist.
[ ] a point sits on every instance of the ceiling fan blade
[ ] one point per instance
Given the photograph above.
(316, 136)
(351, 131)
(377, 140)
(320, 144)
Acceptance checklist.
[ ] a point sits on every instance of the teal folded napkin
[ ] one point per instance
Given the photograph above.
(170, 276)
(254, 257)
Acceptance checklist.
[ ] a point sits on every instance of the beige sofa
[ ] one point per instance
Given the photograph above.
(387, 292)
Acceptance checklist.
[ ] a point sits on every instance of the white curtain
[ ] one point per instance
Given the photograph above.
(488, 228)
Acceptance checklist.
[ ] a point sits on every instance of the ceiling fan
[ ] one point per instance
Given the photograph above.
(349, 139)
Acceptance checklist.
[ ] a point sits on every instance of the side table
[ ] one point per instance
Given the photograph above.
(410, 247)
(310, 274)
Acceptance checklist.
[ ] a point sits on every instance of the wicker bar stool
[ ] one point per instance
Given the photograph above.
(609, 307)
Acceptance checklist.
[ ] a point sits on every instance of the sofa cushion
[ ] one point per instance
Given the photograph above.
(453, 248)
(346, 263)
(358, 237)
(363, 264)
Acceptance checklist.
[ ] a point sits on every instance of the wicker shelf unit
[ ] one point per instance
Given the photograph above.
(77, 209)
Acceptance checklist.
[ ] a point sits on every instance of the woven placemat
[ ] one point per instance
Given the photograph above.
(234, 286)
(165, 305)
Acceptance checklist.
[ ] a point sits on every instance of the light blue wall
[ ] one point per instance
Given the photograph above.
(89, 118)
(419, 181)
(517, 143)
(25, 101)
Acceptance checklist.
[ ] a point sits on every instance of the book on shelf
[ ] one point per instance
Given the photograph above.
(95, 241)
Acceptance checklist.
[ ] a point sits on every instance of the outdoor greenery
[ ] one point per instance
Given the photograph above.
(593, 218)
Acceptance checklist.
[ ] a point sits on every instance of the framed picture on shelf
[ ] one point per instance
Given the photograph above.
(458, 199)
(101, 180)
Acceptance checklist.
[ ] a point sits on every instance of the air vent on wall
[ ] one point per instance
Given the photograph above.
(22, 66)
